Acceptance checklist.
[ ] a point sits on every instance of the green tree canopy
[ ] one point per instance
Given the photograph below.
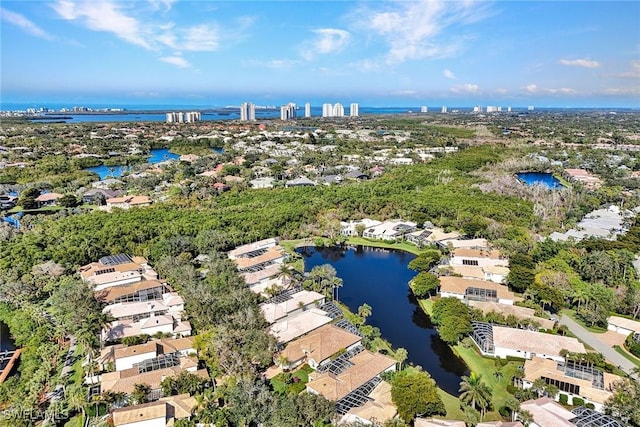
(415, 393)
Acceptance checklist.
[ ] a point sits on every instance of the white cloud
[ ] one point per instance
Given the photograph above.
(583, 62)
(531, 88)
(633, 73)
(109, 17)
(414, 30)
(200, 38)
(449, 74)
(24, 23)
(279, 64)
(623, 91)
(104, 16)
(465, 88)
(327, 41)
(178, 61)
(158, 4)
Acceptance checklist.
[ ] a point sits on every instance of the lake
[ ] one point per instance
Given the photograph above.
(155, 156)
(539, 178)
(380, 277)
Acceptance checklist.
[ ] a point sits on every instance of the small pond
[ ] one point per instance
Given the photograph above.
(539, 178)
(380, 277)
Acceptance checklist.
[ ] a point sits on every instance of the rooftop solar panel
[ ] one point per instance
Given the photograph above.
(115, 259)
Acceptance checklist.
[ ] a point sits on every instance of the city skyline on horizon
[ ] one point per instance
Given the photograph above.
(383, 53)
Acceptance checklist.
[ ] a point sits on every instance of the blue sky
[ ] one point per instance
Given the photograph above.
(378, 53)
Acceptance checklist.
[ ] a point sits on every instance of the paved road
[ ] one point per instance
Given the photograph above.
(591, 339)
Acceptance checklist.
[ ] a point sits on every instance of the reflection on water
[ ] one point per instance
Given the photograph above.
(380, 277)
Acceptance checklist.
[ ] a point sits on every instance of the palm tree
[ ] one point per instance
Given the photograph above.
(285, 274)
(364, 311)
(539, 386)
(401, 356)
(474, 392)
(525, 417)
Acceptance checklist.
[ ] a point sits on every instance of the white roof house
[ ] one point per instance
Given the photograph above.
(623, 325)
(501, 341)
(276, 310)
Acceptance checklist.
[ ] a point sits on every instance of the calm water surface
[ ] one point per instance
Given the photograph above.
(539, 178)
(155, 156)
(380, 278)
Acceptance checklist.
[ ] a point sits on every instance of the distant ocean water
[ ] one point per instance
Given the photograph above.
(156, 113)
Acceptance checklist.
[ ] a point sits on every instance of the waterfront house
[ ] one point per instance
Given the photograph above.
(502, 342)
(284, 305)
(475, 290)
(99, 195)
(390, 230)
(521, 313)
(351, 228)
(292, 327)
(379, 407)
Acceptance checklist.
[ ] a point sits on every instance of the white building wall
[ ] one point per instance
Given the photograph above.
(504, 352)
(482, 262)
(619, 329)
(128, 362)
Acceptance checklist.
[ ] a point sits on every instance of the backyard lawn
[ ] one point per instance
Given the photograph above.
(496, 378)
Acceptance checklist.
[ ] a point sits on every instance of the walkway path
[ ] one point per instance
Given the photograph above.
(592, 340)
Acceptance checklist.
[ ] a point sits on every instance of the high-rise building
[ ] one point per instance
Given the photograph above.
(288, 112)
(247, 111)
(193, 116)
(508, 109)
(338, 110)
(444, 109)
(531, 108)
(327, 110)
(307, 110)
(424, 109)
(354, 110)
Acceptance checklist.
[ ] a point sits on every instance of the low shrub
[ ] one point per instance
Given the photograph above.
(577, 401)
(563, 399)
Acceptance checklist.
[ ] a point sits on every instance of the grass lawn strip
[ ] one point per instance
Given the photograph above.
(628, 356)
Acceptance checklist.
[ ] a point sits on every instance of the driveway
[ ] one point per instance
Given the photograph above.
(592, 339)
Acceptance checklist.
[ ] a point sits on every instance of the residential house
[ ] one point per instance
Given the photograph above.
(302, 181)
(378, 408)
(624, 326)
(161, 413)
(292, 327)
(390, 230)
(477, 257)
(150, 372)
(363, 369)
(48, 199)
(576, 380)
(285, 305)
(116, 270)
(126, 357)
(476, 290)
(264, 182)
(501, 341)
(547, 413)
(145, 290)
(99, 195)
(492, 273)
(259, 263)
(451, 243)
(147, 318)
(351, 228)
(435, 422)
(317, 347)
(127, 202)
